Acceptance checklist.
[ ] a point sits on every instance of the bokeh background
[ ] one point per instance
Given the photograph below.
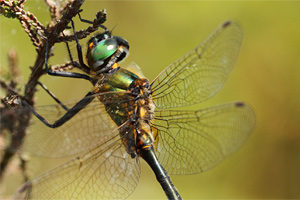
(266, 75)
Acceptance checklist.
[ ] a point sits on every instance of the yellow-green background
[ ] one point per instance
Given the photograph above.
(266, 75)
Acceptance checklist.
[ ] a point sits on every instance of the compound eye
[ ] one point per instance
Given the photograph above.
(104, 49)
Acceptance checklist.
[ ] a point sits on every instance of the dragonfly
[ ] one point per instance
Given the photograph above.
(126, 117)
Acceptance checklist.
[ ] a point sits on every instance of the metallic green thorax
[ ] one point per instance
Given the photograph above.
(117, 81)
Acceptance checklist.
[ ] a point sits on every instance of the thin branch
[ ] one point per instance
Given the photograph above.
(100, 19)
(29, 22)
(12, 120)
(61, 13)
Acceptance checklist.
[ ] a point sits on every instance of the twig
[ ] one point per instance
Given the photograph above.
(29, 22)
(100, 19)
(16, 123)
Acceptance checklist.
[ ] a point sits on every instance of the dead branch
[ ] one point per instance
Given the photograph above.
(17, 123)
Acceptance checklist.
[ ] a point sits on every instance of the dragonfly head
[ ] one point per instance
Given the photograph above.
(105, 48)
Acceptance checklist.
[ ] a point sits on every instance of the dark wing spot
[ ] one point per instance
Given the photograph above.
(239, 104)
(226, 24)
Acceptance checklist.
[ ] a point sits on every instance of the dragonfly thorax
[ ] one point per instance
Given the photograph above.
(128, 100)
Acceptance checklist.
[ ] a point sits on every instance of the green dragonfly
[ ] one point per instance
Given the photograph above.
(126, 117)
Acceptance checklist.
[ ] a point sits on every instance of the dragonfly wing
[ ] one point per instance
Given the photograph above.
(84, 130)
(193, 141)
(105, 172)
(202, 72)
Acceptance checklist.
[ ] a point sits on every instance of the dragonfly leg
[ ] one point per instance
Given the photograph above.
(75, 64)
(68, 48)
(53, 96)
(68, 115)
(83, 20)
(90, 22)
(78, 46)
(62, 74)
(79, 49)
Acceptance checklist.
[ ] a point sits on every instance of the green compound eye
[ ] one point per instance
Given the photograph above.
(104, 49)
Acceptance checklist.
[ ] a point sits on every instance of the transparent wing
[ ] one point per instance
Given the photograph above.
(90, 126)
(193, 141)
(105, 172)
(202, 72)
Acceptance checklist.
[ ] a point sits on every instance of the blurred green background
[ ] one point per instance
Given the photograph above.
(266, 75)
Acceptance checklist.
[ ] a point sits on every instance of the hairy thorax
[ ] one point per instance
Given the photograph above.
(128, 101)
